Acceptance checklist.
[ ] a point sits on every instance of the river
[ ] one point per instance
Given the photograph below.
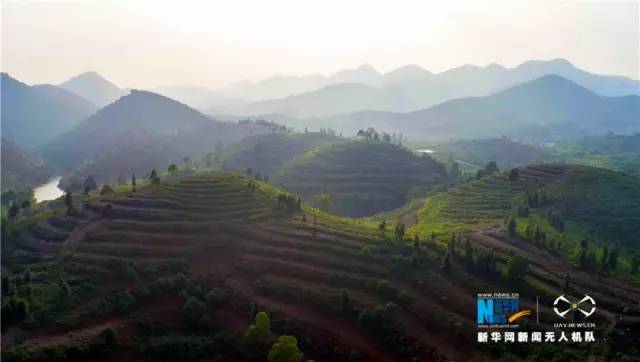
(48, 191)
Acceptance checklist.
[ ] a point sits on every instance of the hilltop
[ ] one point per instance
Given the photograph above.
(265, 153)
(358, 178)
(33, 115)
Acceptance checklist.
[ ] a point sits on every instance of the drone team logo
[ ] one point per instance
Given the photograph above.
(562, 306)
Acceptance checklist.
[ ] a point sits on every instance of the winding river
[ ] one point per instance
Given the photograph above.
(48, 191)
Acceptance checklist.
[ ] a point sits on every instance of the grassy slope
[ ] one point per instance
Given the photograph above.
(362, 177)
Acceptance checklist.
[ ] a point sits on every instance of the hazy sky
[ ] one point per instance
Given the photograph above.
(213, 43)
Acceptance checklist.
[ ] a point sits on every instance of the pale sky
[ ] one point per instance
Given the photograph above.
(144, 44)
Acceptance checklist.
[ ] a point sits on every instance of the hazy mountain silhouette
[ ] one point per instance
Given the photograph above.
(281, 86)
(199, 97)
(411, 88)
(33, 115)
(137, 116)
(93, 87)
(330, 100)
(407, 73)
(20, 168)
(549, 104)
(138, 132)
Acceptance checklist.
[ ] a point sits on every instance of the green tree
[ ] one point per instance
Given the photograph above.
(193, 310)
(604, 260)
(382, 226)
(451, 245)
(188, 163)
(517, 268)
(13, 209)
(468, 251)
(635, 263)
(65, 290)
(6, 285)
(27, 276)
(261, 329)
(399, 230)
(153, 174)
(491, 167)
(90, 184)
(454, 171)
(173, 168)
(324, 202)
(68, 201)
(416, 243)
(511, 227)
(446, 262)
(346, 304)
(285, 349)
(613, 257)
(514, 174)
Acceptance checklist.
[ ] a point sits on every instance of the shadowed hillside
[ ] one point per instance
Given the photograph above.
(33, 115)
(264, 154)
(137, 133)
(21, 169)
(358, 178)
(504, 151)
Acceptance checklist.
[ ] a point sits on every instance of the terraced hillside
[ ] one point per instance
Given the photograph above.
(572, 210)
(177, 271)
(264, 154)
(359, 178)
(219, 233)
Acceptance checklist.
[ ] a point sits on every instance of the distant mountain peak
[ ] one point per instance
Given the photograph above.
(91, 75)
(556, 63)
(367, 67)
(495, 66)
(552, 79)
(93, 87)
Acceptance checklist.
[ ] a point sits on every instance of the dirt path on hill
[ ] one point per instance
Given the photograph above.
(76, 236)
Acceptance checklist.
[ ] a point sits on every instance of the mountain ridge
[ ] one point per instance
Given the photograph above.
(411, 88)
